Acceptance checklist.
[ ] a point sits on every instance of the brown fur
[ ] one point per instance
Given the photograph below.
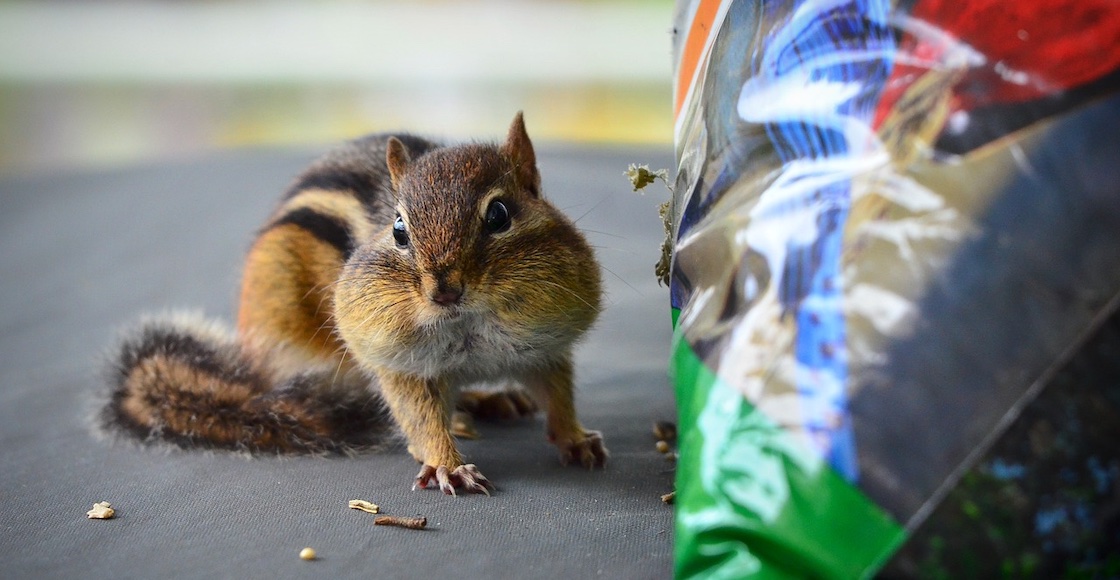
(184, 382)
(285, 292)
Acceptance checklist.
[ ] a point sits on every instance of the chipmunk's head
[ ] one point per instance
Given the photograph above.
(458, 206)
(473, 243)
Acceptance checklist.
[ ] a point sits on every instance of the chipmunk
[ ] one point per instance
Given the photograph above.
(396, 270)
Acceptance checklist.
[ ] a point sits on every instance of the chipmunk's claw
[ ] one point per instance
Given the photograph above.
(467, 477)
(588, 451)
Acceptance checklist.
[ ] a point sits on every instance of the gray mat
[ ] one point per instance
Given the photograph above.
(86, 253)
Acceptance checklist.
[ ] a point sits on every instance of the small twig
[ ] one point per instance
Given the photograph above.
(410, 523)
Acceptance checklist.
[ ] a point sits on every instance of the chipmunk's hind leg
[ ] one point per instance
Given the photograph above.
(508, 404)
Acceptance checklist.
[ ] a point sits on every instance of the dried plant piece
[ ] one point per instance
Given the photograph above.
(663, 268)
(669, 497)
(365, 506)
(410, 523)
(640, 176)
(101, 511)
(307, 554)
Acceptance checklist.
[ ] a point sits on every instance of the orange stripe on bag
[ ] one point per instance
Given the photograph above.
(693, 49)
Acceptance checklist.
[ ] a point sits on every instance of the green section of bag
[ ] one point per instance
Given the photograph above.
(753, 502)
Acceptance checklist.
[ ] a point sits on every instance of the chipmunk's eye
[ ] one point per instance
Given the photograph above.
(497, 217)
(400, 233)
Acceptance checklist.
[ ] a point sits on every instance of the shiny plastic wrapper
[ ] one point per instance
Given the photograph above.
(893, 224)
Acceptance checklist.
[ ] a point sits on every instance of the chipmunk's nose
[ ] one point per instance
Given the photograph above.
(447, 296)
(448, 289)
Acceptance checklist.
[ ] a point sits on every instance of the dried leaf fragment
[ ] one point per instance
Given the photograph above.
(365, 506)
(410, 523)
(101, 511)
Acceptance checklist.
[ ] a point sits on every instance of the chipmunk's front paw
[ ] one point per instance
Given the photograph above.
(466, 477)
(587, 450)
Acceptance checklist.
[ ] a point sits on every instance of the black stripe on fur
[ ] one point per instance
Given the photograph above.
(358, 167)
(324, 227)
(362, 184)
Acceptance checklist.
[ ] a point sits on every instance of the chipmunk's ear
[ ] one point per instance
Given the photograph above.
(397, 158)
(519, 149)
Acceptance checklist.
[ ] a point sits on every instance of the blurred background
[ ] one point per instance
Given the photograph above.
(108, 83)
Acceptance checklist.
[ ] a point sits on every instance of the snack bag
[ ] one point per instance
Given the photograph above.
(892, 225)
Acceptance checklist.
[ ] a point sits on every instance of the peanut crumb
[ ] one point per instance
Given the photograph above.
(365, 506)
(307, 554)
(101, 511)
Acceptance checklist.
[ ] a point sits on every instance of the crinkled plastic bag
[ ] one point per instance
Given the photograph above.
(893, 223)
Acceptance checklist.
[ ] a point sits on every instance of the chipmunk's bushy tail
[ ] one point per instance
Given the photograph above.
(189, 382)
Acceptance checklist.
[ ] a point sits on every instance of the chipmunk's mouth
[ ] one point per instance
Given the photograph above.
(452, 313)
(436, 314)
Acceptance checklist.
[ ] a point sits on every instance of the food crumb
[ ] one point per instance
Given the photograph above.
(365, 506)
(101, 511)
(307, 554)
(665, 430)
(662, 447)
(669, 497)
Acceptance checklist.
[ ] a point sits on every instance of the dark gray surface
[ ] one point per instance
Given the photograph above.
(86, 253)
